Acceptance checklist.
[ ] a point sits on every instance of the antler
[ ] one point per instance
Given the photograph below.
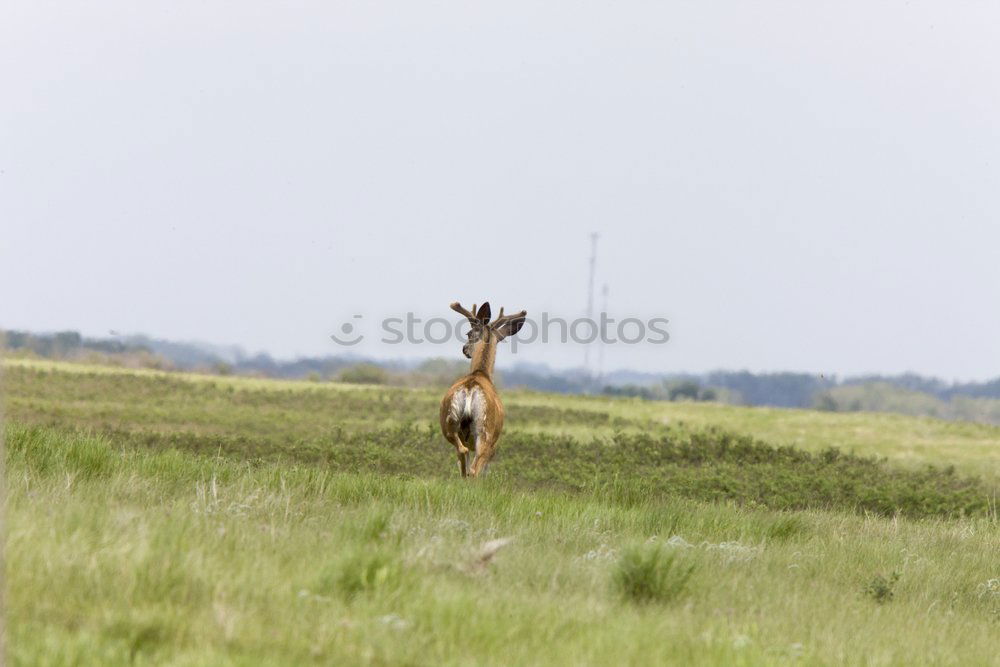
(457, 307)
(504, 319)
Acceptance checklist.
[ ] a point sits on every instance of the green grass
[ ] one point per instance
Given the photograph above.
(385, 430)
(157, 518)
(103, 395)
(649, 573)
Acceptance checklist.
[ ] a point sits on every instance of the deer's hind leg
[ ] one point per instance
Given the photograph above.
(485, 448)
(462, 450)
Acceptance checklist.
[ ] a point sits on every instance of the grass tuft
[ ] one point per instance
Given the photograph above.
(363, 574)
(785, 528)
(648, 573)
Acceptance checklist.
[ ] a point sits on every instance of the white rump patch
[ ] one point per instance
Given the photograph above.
(468, 405)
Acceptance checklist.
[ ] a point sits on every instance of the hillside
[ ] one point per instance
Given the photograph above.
(159, 517)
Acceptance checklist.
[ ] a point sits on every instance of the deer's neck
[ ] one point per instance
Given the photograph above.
(484, 354)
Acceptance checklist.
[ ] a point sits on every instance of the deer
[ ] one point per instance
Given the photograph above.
(471, 411)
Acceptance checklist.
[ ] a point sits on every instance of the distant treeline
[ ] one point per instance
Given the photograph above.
(908, 393)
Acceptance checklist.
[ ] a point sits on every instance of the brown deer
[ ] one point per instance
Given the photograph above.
(471, 412)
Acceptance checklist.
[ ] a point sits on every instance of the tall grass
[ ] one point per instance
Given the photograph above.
(170, 557)
(135, 535)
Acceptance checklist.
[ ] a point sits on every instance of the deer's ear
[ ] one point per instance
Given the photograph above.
(510, 327)
(484, 313)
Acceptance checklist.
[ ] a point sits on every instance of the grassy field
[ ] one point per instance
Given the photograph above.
(165, 518)
(972, 448)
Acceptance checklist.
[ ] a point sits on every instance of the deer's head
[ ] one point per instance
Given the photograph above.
(486, 331)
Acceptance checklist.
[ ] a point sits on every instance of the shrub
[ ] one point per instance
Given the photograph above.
(222, 368)
(364, 374)
(826, 402)
(684, 390)
(881, 588)
(650, 574)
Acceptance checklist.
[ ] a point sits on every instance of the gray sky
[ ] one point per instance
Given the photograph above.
(804, 186)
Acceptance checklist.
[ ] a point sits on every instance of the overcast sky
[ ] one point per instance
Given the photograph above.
(796, 186)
